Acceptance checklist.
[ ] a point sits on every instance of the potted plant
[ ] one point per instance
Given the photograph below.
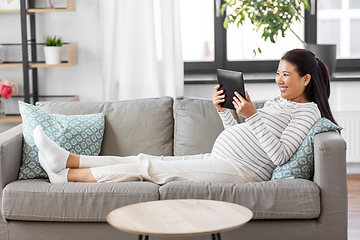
(274, 18)
(52, 50)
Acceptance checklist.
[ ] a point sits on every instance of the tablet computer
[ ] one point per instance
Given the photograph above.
(230, 81)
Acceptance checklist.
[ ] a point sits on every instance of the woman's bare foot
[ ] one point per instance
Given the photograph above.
(80, 175)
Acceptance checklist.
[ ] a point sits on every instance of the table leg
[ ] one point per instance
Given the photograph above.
(216, 236)
(141, 237)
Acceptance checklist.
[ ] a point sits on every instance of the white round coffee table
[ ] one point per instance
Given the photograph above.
(183, 217)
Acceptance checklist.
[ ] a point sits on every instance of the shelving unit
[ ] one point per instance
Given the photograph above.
(69, 6)
(12, 109)
(9, 11)
(29, 8)
(11, 119)
(70, 54)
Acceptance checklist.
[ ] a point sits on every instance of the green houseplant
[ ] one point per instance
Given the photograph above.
(52, 50)
(54, 41)
(274, 18)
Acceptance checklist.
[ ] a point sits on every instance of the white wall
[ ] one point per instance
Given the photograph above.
(344, 95)
(80, 26)
(257, 91)
(84, 79)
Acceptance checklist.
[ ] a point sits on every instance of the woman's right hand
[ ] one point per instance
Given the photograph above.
(218, 98)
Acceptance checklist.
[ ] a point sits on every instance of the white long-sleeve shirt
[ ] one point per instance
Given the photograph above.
(268, 138)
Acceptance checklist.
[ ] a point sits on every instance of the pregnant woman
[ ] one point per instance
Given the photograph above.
(246, 152)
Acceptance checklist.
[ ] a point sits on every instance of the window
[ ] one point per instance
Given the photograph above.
(338, 23)
(197, 27)
(242, 40)
(208, 46)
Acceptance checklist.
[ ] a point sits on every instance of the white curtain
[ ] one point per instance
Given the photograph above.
(141, 49)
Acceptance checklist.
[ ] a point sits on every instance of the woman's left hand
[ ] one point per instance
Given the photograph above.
(244, 107)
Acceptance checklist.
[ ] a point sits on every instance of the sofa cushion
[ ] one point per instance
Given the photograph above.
(301, 164)
(276, 199)
(132, 127)
(38, 200)
(78, 134)
(197, 125)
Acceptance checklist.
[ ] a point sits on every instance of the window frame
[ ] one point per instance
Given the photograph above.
(252, 66)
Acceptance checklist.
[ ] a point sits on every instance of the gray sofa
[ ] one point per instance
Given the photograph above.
(283, 209)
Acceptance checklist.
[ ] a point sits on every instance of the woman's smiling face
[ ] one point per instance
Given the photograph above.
(291, 84)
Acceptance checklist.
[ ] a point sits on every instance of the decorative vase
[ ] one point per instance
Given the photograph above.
(2, 110)
(52, 55)
(327, 54)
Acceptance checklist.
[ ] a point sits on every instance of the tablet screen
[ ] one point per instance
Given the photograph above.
(230, 81)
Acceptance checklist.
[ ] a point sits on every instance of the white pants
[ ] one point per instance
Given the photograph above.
(160, 170)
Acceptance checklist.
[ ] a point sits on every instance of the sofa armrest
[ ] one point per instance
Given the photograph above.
(10, 154)
(330, 176)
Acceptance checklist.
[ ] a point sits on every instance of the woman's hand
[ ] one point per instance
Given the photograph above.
(244, 107)
(218, 98)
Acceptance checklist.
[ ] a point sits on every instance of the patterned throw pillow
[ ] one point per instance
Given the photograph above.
(78, 134)
(301, 164)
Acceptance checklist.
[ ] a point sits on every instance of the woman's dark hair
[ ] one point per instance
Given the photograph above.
(318, 89)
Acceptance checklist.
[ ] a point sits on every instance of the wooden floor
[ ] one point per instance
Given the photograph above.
(353, 182)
